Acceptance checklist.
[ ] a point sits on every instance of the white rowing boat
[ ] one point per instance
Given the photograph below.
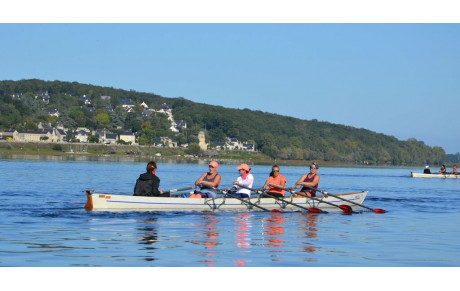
(439, 176)
(108, 202)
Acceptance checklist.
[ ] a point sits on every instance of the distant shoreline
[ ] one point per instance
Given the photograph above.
(130, 153)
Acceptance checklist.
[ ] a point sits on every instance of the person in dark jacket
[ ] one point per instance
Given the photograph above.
(427, 170)
(147, 184)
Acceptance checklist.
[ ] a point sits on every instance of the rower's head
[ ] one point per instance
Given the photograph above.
(313, 168)
(243, 169)
(151, 167)
(213, 166)
(275, 171)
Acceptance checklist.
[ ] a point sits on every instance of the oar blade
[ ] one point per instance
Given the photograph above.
(346, 208)
(315, 210)
(378, 210)
(275, 210)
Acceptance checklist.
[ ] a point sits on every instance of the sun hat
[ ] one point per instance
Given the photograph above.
(244, 167)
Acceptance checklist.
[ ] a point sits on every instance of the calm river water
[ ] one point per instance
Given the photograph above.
(44, 223)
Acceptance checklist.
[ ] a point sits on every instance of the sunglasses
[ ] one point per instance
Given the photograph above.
(313, 168)
(211, 167)
(276, 170)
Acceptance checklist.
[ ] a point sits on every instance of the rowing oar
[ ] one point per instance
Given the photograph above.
(250, 203)
(177, 190)
(344, 208)
(325, 193)
(311, 209)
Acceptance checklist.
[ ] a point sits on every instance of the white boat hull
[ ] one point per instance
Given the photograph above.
(109, 202)
(438, 176)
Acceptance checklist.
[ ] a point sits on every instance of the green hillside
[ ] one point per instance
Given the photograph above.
(277, 136)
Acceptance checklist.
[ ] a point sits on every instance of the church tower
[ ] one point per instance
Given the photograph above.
(202, 141)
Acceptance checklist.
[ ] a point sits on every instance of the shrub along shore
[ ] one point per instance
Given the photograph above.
(144, 153)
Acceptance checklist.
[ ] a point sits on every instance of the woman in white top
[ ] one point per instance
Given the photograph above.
(246, 179)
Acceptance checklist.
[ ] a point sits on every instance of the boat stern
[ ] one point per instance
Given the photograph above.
(89, 201)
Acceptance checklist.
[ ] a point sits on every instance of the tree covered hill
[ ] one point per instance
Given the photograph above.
(278, 136)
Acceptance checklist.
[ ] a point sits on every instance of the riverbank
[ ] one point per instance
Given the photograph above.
(78, 151)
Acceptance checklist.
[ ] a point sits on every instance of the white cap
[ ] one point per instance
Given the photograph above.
(427, 167)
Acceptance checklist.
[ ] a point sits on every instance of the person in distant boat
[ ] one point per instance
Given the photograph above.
(208, 182)
(427, 170)
(246, 179)
(275, 178)
(443, 170)
(454, 170)
(147, 184)
(308, 181)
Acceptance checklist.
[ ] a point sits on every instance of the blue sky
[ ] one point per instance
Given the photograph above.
(397, 79)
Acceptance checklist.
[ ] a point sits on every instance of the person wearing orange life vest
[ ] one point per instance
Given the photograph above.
(275, 178)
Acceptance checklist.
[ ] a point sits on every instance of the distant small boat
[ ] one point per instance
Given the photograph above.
(439, 176)
(108, 202)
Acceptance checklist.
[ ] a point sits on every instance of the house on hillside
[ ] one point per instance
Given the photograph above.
(44, 96)
(53, 112)
(126, 103)
(85, 100)
(248, 147)
(111, 138)
(34, 136)
(165, 142)
(16, 96)
(218, 145)
(90, 108)
(233, 143)
(147, 112)
(144, 105)
(7, 134)
(181, 123)
(60, 135)
(44, 126)
(81, 136)
(128, 137)
(165, 108)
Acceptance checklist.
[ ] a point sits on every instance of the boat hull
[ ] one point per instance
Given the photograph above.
(438, 176)
(109, 202)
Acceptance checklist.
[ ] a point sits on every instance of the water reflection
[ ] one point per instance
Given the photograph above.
(242, 240)
(274, 231)
(149, 237)
(308, 228)
(210, 238)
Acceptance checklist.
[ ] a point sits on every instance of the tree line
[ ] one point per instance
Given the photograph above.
(279, 137)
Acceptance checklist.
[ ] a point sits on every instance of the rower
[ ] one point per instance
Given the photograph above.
(427, 170)
(309, 182)
(454, 170)
(276, 179)
(208, 183)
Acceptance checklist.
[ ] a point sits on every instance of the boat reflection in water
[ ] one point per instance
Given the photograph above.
(210, 238)
(242, 240)
(149, 237)
(307, 226)
(273, 232)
